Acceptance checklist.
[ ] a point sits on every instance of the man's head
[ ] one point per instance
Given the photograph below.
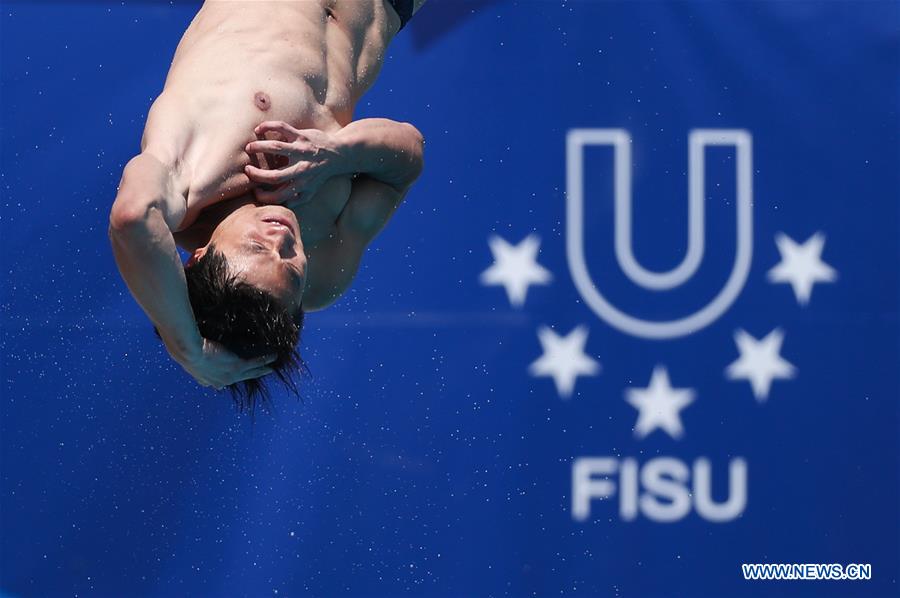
(262, 246)
(245, 288)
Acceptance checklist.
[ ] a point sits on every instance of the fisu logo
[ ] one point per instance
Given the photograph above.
(665, 489)
(661, 478)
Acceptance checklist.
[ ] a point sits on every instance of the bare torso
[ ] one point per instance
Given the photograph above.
(305, 62)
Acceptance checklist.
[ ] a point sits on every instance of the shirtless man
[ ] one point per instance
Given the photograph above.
(250, 162)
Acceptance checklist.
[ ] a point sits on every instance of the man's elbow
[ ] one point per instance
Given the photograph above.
(127, 216)
(417, 153)
(142, 198)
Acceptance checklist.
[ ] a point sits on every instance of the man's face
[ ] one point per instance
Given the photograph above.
(263, 248)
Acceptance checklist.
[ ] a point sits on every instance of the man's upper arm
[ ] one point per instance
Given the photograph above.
(149, 179)
(335, 261)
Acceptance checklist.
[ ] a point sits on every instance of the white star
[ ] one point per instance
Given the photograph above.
(801, 265)
(659, 404)
(564, 359)
(760, 362)
(515, 267)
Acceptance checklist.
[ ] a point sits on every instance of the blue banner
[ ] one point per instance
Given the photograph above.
(635, 326)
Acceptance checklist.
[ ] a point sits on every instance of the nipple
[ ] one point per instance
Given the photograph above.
(262, 101)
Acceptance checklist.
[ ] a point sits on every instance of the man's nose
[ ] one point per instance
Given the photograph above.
(286, 245)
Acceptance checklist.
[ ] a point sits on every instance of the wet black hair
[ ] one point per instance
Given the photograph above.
(247, 321)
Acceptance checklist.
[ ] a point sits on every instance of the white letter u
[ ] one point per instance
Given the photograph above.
(698, 140)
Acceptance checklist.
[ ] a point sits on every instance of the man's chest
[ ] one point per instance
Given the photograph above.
(216, 153)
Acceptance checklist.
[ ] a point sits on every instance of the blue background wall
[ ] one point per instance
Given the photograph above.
(426, 460)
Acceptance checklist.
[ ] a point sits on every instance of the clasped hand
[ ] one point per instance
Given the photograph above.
(306, 158)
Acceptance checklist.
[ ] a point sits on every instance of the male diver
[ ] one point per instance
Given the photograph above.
(250, 161)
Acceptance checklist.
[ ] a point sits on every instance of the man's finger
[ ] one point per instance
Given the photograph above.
(269, 146)
(260, 372)
(260, 362)
(270, 177)
(277, 126)
(254, 373)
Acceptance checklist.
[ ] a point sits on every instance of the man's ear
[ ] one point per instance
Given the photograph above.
(196, 256)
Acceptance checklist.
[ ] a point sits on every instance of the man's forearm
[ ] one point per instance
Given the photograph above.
(386, 150)
(148, 260)
(146, 254)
